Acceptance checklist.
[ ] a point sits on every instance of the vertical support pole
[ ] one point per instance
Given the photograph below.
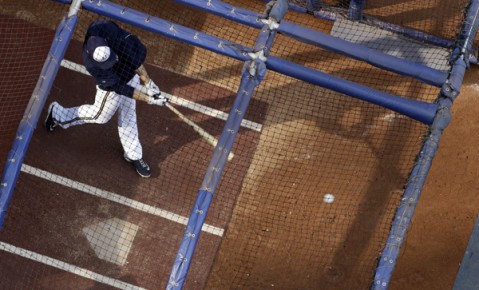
(211, 179)
(467, 278)
(449, 92)
(313, 5)
(30, 118)
(254, 71)
(355, 11)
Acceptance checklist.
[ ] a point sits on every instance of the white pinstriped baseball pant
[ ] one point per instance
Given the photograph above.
(105, 106)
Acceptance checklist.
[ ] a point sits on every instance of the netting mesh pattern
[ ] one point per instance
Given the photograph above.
(306, 202)
(417, 15)
(22, 60)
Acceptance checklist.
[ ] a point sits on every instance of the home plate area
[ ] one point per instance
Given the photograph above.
(112, 239)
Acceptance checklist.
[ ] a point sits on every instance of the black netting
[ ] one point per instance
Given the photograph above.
(307, 200)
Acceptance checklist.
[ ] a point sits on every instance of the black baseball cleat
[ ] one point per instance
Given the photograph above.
(50, 122)
(141, 166)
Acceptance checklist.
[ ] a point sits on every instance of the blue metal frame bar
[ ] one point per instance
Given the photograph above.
(376, 58)
(355, 11)
(212, 178)
(467, 278)
(412, 33)
(418, 175)
(253, 73)
(32, 113)
(312, 5)
(418, 110)
(334, 13)
(168, 29)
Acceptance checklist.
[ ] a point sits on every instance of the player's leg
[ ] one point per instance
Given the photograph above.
(105, 106)
(128, 131)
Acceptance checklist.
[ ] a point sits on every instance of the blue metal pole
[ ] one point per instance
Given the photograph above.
(355, 11)
(418, 110)
(25, 130)
(467, 278)
(253, 73)
(418, 175)
(313, 5)
(333, 14)
(211, 179)
(166, 28)
(376, 58)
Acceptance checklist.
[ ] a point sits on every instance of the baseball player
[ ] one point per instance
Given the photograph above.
(114, 57)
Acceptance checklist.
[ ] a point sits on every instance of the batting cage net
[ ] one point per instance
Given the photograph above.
(286, 160)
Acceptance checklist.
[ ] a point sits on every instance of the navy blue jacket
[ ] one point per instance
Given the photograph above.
(131, 55)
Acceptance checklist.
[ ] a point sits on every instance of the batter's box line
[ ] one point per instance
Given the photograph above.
(179, 101)
(115, 198)
(67, 267)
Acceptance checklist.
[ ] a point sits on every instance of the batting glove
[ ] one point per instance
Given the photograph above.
(147, 91)
(153, 87)
(158, 99)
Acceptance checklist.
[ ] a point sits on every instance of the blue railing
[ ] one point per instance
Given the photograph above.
(25, 130)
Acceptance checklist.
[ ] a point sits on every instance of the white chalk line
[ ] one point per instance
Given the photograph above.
(179, 101)
(475, 87)
(67, 267)
(108, 196)
(116, 198)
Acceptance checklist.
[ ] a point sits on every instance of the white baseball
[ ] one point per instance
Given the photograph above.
(328, 198)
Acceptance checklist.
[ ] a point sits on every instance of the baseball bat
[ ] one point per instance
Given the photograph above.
(205, 135)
